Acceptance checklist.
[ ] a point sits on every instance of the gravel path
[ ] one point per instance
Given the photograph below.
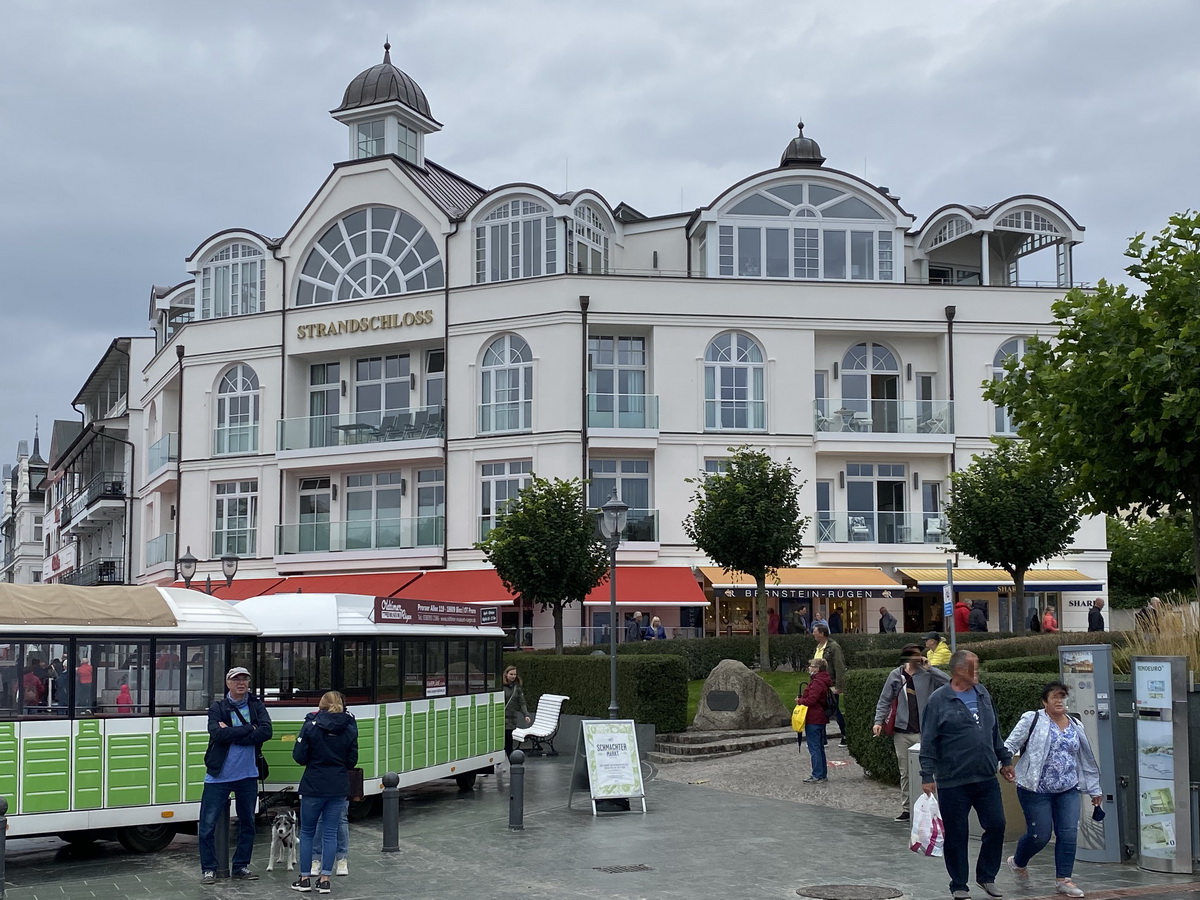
(777, 772)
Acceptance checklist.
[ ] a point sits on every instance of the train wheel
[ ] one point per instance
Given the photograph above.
(146, 838)
(361, 808)
(466, 781)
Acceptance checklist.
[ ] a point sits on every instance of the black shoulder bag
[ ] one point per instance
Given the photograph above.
(259, 760)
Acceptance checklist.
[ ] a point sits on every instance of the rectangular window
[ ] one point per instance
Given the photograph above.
(414, 670)
(373, 511)
(715, 466)
(313, 532)
(725, 250)
(381, 388)
(749, 252)
(324, 403)
(806, 252)
(236, 518)
(406, 143)
(435, 378)
(431, 507)
(835, 254)
(885, 256)
(294, 673)
(617, 383)
(358, 664)
(37, 528)
(435, 669)
(826, 524)
(387, 685)
(370, 138)
(924, 400)
(500, 482)
(456, 669)
(778, 262)
(821, 393)
(862, 255)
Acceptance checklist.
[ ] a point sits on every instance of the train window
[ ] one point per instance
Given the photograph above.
(457, 667)
(120, 678)
(296, 673)
(357, 663)
(496, 669)
(33, 679)
(435, 668)
(387, 686)
(414, 670)
(477, 656)
(188, 677)
(241, 654)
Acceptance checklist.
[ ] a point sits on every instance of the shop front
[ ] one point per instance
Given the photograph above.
(849, 598)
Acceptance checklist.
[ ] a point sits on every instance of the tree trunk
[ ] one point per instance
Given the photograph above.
(1022, 627)
(558, 626)
(764, 639)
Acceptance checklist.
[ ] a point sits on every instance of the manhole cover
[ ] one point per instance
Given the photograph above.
(640, 867)
(849, 892)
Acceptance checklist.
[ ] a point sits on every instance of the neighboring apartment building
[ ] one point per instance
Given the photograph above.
(361, 396)
(21, 529)
(91, 483)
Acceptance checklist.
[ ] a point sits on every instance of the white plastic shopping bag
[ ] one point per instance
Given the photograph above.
(927, 828)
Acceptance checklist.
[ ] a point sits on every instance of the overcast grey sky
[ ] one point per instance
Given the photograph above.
(133, 130)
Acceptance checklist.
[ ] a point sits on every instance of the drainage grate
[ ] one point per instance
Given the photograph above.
(849, 892)
(617, 870)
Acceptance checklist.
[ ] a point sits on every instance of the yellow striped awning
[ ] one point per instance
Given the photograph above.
(806, 582)
(993, 579)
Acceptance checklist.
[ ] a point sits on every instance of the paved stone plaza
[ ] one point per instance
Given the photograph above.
(696, 841)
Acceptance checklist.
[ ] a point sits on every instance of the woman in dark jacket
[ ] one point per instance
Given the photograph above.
(814, 696)
(978, 620)
(516, 715)
(327, 747)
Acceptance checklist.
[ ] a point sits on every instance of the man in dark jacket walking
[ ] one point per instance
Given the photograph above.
(887, 622)
(633, 628)
(909, 688)
(1096, 615)
(978, 620)
(238, 726)
(960, 747)
(836, 662)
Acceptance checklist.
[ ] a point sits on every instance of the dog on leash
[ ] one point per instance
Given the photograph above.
(285, 841)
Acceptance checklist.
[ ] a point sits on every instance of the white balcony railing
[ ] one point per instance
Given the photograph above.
(235, 439)
(162, 452)
(623, 411)
(236, 541)
(160, 549)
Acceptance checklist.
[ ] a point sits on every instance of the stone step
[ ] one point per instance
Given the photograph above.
(704, 737)
(663, 758)
(722, 745)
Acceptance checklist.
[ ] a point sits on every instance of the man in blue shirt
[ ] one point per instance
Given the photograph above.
(238, 726)
(960, 750)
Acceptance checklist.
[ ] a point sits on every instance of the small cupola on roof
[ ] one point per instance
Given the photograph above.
(387, 113)
(802, 151)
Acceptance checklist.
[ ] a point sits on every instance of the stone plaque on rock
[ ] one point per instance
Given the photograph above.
(757, 705)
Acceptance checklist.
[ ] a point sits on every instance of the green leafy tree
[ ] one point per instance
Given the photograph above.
(1115, 396)
(748, 520)
(545, 547)
(1013, 509)
(1150, 556)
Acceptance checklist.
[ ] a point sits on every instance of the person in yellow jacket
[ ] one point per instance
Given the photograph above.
(936, 649)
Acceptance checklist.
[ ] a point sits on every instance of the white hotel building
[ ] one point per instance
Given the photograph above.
(359, 397)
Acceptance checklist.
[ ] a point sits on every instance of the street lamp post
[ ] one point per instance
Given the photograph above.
(187, 570)
(612, 524)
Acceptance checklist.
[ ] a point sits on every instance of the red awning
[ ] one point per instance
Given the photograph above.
(458, 586)
(370, 584)
(651, 586)
(242, 588)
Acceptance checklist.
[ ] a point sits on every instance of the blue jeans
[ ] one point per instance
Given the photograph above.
(956, 804)
(213, 803)
(327, 810)
(1044, 812)
(814, 735)
(343, 833)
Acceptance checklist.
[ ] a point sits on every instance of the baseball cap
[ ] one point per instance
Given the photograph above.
(932, 636)
(236, 671)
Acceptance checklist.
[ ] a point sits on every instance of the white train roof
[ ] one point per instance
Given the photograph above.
(338, 614)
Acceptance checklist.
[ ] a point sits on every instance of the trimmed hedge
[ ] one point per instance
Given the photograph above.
(1045, 665)
(1012, 692)
(651, 689)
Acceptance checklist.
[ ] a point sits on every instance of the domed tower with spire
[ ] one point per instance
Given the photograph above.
(387, 113)
(802, 151)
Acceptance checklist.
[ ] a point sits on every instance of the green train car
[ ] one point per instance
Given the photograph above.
(104, 694)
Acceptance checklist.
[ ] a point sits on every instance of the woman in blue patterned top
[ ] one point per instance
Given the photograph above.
(1056, 764)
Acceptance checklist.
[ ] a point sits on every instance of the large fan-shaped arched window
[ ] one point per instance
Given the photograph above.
(506, 386)
(517, 239)
(734, 392)
(233, 282)
(237, 412)
(374, 252)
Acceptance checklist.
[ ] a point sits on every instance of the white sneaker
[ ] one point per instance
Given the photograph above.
(316, 867)
(1067, 887)
(341, 867)
(1017, 870)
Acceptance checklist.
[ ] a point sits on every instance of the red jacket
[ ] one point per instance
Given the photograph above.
(962, 617)
(1049, 623)
(813, 697)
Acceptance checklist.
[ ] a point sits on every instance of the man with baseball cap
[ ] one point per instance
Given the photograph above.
(238, 726)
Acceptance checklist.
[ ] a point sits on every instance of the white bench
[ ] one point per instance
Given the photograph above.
(544, 727)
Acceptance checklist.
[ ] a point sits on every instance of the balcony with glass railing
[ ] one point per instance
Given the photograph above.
(356, 429)
(160, 550)
(232, 440)
(735, 415)
(881, 528)
(162, 453)
(516, 415)
(623, 411)
(361, 534)
(235, 541)
(883, 417)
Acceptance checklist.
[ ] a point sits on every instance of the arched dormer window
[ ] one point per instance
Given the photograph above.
(587, 244)
(805, 230)
(870, 382)
(517, 239)
(506, 386)
(233, 282)
(1015, 347)
(374, 252)
(237, 412)
(734, 384)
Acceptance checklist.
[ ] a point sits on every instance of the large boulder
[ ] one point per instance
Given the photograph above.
(735, 699)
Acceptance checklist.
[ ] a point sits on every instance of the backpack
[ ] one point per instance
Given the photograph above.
(1035, 621)
(831, 704)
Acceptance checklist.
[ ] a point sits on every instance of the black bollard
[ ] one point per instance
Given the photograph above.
(391, 813)
(221, 839)
(516, 791)
(3, 832)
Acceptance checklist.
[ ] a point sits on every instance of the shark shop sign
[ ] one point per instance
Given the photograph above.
(427, 612)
